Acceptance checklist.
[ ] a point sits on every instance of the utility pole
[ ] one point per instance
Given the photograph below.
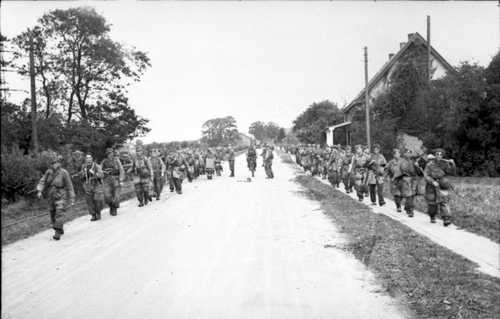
(34, 131)
(367, 107)
(429, 65)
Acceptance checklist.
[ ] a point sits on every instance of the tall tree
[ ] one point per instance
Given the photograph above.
(310, 125)
(84, 74)
(258, 130)
(220, 131)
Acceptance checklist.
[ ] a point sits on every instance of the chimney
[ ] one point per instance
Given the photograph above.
(391, 55)
(401, 44)
(410, 36)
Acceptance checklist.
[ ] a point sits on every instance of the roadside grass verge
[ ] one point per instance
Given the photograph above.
(475, 207)
(26, 218)
(430, 279)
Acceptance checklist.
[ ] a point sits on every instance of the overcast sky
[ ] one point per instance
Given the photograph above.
(265, 60)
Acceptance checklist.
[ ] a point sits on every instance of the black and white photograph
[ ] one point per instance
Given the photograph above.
(250, 159)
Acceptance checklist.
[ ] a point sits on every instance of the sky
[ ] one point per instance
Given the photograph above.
(264, 60)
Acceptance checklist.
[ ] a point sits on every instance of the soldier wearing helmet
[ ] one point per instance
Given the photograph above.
(438, 186)
(141, 168)
(230, 159)
(376, 167)
(57, 184)
(114, 175)
(92, 176)
(158, 172)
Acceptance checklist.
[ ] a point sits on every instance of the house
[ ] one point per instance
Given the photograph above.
(380, 82)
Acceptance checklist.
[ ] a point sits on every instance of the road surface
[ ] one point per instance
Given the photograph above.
(224, 249)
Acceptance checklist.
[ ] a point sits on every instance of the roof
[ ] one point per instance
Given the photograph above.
(333, 127)
(412, 38)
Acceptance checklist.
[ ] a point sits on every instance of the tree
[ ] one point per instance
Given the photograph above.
(83, 75)
(281, 134)
(258, 130)
(220, 131)
(272, 131)
(310, 125)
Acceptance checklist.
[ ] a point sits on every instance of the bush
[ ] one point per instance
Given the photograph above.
(19, 174)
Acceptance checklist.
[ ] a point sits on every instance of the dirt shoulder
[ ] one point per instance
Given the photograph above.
(24, 219)
(432, 280)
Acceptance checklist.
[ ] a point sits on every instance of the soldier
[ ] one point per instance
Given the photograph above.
(333, 168)
(437, 187)
(358, 167)
(403, 172)
(179, 167)
(218, 161)
(230, 159)
(347, 177)
(209, 163)
(268, 162)
(169, 164)
(376, 167)
(92, 176)
(57, 182)
(252, 159)
(114, 175)
(142, 170)
(158, 168)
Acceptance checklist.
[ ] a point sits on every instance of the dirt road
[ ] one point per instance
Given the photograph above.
(224, 249)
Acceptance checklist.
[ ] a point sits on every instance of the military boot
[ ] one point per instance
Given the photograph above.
(112, 211)
(94, 218)
(57, 235)
(98, 215)
(446, 221)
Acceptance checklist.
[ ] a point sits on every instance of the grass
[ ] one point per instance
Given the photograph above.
(475, 207)
(28, 217)
(431, 280)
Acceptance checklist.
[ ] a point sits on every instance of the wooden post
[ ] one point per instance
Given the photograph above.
(34, 131)
(367, 106)
(429, 65)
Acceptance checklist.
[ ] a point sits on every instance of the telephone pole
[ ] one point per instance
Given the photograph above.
(367, 107)
(34, 131)
(429, 65)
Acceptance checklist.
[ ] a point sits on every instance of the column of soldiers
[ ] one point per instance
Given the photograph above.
(367, 171)
(102, 182)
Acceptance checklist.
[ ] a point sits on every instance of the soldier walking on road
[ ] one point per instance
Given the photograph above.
(376, 167)
(438, 187)
(143, 172)
(114, 175)
(169, 163)
(92, 176)
(230, 158)
(179, 167)
(403, 172)
(347, 178)
(358, 168)
(252, 159)
(268, 161)
(158, 168)
(58, 186)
